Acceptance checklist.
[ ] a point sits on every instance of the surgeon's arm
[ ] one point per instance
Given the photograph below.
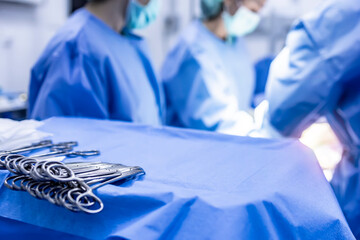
(301, 82)
(72, 86)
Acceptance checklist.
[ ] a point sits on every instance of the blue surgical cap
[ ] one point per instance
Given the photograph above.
(211, 8)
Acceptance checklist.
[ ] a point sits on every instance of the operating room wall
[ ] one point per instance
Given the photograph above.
(25, 28)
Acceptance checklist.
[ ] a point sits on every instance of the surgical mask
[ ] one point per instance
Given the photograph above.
(242, 23)
(140, 16)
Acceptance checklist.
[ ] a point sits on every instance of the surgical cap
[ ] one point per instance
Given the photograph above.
(211, 8)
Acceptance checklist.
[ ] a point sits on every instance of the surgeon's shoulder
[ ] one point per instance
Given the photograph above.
(69, 42)
(334, 11)
(70, 34)
(180, 50)
(180, 54)
(189, 44)
(194, 36)
(331, 19)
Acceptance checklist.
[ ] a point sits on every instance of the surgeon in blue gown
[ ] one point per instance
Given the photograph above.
(95, 67)
(318, 74)
(208, 76)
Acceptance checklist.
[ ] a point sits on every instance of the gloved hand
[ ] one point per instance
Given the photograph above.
(262, 127)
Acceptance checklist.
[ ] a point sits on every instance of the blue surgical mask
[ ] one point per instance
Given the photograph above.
(242, 23)
(140, 16)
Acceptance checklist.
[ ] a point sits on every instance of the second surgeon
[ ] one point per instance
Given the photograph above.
(95, 67)
(208, 76)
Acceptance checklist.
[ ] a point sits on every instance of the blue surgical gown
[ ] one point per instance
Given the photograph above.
(318, 74)
(89, 70)
(207, 81)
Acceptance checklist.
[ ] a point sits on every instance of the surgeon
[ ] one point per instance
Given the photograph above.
(96, 67)
(208, 76)
(318, 74)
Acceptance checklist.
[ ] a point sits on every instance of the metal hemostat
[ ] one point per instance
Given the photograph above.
(54, 147)
(20, 164)
(71, 185)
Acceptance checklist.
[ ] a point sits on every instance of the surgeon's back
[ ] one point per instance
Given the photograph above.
(318, 74)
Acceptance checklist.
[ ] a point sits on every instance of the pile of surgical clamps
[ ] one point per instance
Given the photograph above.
(69, 185)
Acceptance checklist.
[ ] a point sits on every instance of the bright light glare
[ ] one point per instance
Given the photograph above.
(326, 146)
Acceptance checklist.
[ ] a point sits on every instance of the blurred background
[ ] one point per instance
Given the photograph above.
(27, 25)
